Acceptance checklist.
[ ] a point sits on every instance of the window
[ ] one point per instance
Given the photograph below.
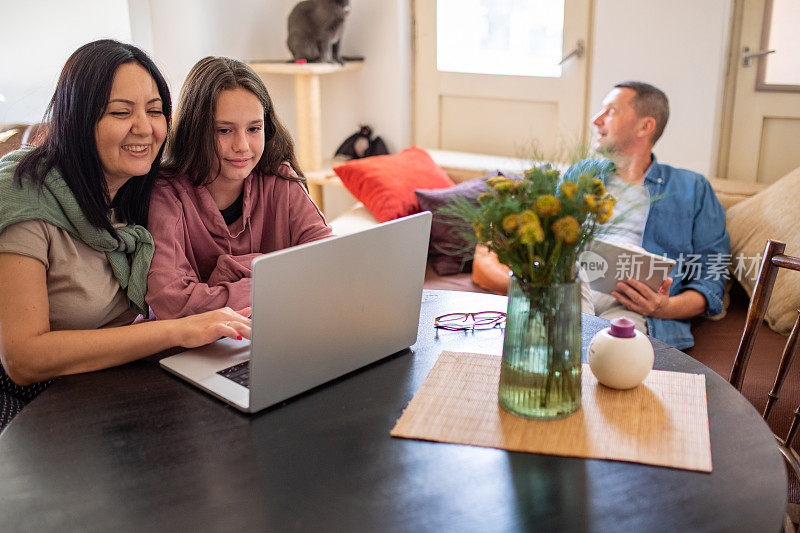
(781, 69)
(511, 37)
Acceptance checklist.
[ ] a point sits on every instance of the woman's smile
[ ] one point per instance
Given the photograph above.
(137, 150)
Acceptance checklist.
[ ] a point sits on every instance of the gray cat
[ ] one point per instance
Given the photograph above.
(315, 30)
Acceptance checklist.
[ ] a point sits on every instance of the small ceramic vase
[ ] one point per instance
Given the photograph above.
(620, 357)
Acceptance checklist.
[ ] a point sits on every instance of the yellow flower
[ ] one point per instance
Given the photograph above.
(531, 232)
(528, 216)
(590, 201)
(547, 205)
(504, 186)
(510, 222)
(597, 204)
(605, 211)
(568, 189)
(552, 174)
(478, 229)
(567, 229)
(484, 196)
(598, 188)
(500, 183)
(532, 173)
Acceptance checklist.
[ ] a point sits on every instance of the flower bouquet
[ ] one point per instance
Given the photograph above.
(538, 226)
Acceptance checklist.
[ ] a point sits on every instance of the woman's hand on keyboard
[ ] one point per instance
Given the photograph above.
(204, 328)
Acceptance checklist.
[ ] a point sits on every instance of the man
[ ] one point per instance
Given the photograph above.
(668, 211)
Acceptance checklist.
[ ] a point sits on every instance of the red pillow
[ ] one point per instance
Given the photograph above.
(385, 184)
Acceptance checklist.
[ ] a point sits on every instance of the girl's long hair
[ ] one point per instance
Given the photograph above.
(68, 143)
(191, 145)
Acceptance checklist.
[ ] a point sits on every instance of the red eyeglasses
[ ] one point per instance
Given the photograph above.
(471, 321)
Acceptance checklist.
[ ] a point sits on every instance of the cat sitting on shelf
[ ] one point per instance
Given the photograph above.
(315, 30)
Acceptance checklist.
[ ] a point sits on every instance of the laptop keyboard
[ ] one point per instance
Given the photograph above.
(239, 373)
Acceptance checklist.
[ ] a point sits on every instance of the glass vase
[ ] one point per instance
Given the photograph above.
(540, 372)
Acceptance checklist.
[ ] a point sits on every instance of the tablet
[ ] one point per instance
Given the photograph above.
(605, 263)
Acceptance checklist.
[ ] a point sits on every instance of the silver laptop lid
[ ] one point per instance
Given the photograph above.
(326, 308)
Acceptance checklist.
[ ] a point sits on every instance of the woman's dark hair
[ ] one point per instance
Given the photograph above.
(191, 145)
(68, 144)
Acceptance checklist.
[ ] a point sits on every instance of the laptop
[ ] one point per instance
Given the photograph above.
(320, 310)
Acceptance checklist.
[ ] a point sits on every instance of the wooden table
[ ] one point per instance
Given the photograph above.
(135, 449)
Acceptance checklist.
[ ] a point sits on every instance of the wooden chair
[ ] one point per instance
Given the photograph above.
(773, 260)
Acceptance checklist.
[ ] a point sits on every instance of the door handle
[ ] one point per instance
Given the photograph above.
(747, 55)
(576, 52)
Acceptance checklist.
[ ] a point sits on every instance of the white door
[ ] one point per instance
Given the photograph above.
(765, 122)
(488, 79)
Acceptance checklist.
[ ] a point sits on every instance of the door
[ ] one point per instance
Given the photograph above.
(765, 119)
(488, 78)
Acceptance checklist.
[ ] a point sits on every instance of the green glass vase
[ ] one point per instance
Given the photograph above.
(540, 372)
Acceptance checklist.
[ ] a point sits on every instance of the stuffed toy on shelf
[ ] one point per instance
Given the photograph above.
(361, 144)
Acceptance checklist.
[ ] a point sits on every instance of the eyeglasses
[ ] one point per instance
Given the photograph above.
(471, 321)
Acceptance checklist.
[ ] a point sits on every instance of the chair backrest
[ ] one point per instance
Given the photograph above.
(14, 136)
(774, 259)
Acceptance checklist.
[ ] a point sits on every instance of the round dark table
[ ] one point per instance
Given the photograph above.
(135, 449)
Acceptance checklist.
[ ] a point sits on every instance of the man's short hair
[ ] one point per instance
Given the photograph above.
(649, 101)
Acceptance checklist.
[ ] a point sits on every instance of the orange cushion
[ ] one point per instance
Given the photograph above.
(385, 184)
(488, 272)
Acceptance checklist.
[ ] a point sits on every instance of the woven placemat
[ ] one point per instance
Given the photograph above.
(662, 422)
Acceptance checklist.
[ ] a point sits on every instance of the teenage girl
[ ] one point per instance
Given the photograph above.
(230, 191)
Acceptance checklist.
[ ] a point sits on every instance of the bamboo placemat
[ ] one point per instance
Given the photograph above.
(662, 422)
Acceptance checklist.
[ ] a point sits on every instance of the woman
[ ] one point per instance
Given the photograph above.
(74, 254)
(230, 193)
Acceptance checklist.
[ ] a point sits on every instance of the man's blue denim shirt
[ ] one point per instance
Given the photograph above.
(686, 223)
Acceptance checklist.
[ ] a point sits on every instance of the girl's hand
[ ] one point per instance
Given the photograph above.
(204, 328)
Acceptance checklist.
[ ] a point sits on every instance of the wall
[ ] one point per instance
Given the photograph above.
(37, 37)
(179, 32)
(678, 46)
(184, 31)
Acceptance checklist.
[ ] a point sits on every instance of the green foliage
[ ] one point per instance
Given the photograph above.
(565, 152)
(537, 225)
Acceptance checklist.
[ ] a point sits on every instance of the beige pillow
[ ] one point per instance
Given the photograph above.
(774, 213)
(731, 192)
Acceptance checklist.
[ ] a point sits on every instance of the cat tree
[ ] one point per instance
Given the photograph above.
(308, 106)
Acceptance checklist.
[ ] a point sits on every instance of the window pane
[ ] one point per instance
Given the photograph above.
(515, 37)
(783, 67)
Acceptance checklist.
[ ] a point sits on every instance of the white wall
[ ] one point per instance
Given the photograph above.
(679, 46)
(37, 37)
(184, 31)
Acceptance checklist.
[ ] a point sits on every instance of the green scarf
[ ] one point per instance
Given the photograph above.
(129, 253)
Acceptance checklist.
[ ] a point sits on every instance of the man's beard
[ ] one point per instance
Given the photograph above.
(608, 150)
